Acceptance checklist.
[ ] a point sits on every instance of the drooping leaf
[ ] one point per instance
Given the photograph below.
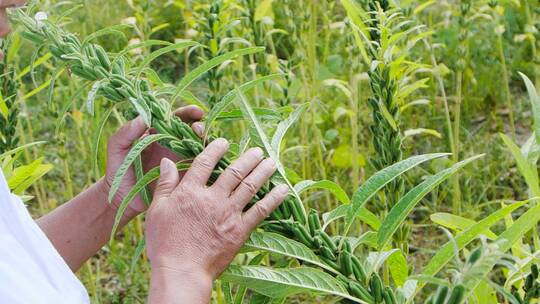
(446, 253)
(456, 222)
(276, 243)
(529, 172)
(535, 105)
(280, 283)
(332, 187)
(363, 215)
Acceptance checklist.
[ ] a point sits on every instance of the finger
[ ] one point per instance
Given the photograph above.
(168, 179)
(123, 139)
(198, 128)
(253, 182)
(235, 173)
(4, 24)
(264, 207)
(189, 114)
(11, 3)
(204, 163)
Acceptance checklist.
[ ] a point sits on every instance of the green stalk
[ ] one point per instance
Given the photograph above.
(456, 195)
(506, 87)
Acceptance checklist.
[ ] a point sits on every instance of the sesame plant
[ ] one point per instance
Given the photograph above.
(325, 263)
(349, 75)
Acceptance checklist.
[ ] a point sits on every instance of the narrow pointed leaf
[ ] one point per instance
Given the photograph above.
(205, 67)
(144, 181)
(332, 187)
(406, 204)
(229, 97)
(378, 180)
(130, 158)
(446, 253)
(284, 126)
(154, 55)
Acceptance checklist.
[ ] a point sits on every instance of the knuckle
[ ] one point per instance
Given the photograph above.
(235, 173)
(250, 187)
(262, 210)
(204, 162)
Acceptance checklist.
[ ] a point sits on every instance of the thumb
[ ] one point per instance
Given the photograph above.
(168, 180)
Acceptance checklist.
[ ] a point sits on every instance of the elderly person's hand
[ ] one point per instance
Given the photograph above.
(193, 231)
(121, 142)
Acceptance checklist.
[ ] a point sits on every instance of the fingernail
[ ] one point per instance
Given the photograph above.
(164, 165)
(221, 142)
(198, 128)
(282, 189)
(257, 151)
(271, 163)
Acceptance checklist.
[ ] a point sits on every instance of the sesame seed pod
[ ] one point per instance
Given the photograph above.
(36, 38)
(327, 240)
(102, 57)
(376, 287)
(313, 221)
(301, 237)
(360, 292)
(328, 254)
(388, 296)
(457, 296)
(328, 261)
(346, 263)
(81, 72)
(358, 269)
(441, 295)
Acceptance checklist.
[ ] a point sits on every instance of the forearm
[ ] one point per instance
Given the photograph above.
(170, 286)
(79, 228)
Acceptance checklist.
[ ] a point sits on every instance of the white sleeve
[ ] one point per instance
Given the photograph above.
(31, 270)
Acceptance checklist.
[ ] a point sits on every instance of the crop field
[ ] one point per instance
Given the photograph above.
(408, 132)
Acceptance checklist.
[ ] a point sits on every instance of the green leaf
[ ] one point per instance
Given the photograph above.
(399, 269)
(276, 243)
(260, 135)
(527, 221)
(18, 149)
(154, 55)
(146, 43)
(113, 29)
(405, 205)
(528, 171)
(97, 138)
(205, 67)
(364, 215)
(458, 223)
(284, 126)
(229, 97)
(280, 283)
(446, 253)
(378, 180)
(144, 181)
(332, 187)
(535, 104)
(143, 109)
(130, 158)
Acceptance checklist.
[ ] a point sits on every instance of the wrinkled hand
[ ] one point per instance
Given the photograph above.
(192, 228)
(121, 142)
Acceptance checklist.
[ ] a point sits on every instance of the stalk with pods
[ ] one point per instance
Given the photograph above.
(329, 263)
(8, 97)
